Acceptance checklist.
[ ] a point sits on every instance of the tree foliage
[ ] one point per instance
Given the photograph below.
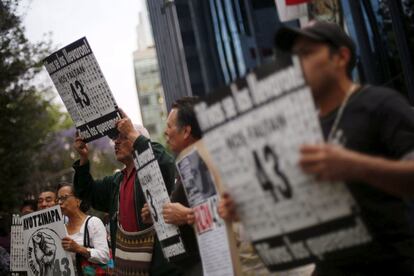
(57, 156)
(24, 111)
(35, 135)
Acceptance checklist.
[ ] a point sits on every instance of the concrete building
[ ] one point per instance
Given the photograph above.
(148, 83)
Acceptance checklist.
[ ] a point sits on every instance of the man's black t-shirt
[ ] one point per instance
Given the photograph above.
(378, 122)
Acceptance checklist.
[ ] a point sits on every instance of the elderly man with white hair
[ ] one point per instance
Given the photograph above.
(122, 197)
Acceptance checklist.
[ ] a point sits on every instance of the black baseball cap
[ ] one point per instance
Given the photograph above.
(321, 31)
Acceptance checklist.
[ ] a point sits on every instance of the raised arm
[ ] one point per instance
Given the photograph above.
(97, 192)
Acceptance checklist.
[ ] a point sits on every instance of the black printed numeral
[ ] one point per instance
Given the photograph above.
(83, 99)
(275, 188)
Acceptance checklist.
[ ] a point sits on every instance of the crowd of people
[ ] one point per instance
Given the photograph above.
(369, 134)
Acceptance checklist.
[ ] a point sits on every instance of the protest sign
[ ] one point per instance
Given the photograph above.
(80, 83)
(253, 130)
(43, 232)
(216, 241)
(17, 249)
(156, 195)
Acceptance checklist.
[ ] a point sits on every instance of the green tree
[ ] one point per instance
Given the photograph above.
(55, 159)
(35, 135)
(25, 112)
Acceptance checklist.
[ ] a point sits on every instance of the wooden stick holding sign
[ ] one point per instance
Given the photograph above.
(202, 185)
(80, 83)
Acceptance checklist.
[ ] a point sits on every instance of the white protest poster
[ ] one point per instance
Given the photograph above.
(43, 232)
(253, 131)
(80, 83)
(289, 11)
(216, 241)
(18, 264)
(156, 195)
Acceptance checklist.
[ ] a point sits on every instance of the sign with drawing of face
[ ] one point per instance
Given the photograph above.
(43, 232)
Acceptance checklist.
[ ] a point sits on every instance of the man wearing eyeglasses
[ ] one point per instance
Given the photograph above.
(120, 194)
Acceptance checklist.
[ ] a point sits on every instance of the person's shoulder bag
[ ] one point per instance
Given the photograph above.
(86, 267)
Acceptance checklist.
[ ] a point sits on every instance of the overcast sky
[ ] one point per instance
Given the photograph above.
(109, 26)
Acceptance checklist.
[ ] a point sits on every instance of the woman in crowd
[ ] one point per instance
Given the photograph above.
(74, 209)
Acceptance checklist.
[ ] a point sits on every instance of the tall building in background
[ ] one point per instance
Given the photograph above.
(148, 82)
(203, 45)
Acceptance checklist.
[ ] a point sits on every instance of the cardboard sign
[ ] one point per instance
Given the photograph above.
(253, 131)
(43, 232)
(216, 241)
(84, 90)
(156, 195)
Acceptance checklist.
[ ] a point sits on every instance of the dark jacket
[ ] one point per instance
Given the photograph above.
(103, 194)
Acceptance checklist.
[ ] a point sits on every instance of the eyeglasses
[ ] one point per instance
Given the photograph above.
(63, 198)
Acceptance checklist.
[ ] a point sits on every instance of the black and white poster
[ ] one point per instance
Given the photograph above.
(43, 232)
(80, 83)
(215, 238)
(253, 130)
(18, 264)
(156, 195)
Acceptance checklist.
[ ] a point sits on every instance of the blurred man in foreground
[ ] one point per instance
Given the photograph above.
(369, 133)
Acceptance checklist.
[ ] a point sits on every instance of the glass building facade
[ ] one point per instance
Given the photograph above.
(215, 42)
(384, 32)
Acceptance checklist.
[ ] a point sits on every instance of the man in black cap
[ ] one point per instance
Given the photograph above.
(369, 134)
(370, 145)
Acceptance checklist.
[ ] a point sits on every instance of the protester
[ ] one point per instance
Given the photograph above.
(182, 131)
(46, 199)
(375, 126)
(28, 206)
(121, 196)
(75, 209)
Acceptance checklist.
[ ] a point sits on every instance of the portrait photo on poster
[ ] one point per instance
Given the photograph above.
(197, 179)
